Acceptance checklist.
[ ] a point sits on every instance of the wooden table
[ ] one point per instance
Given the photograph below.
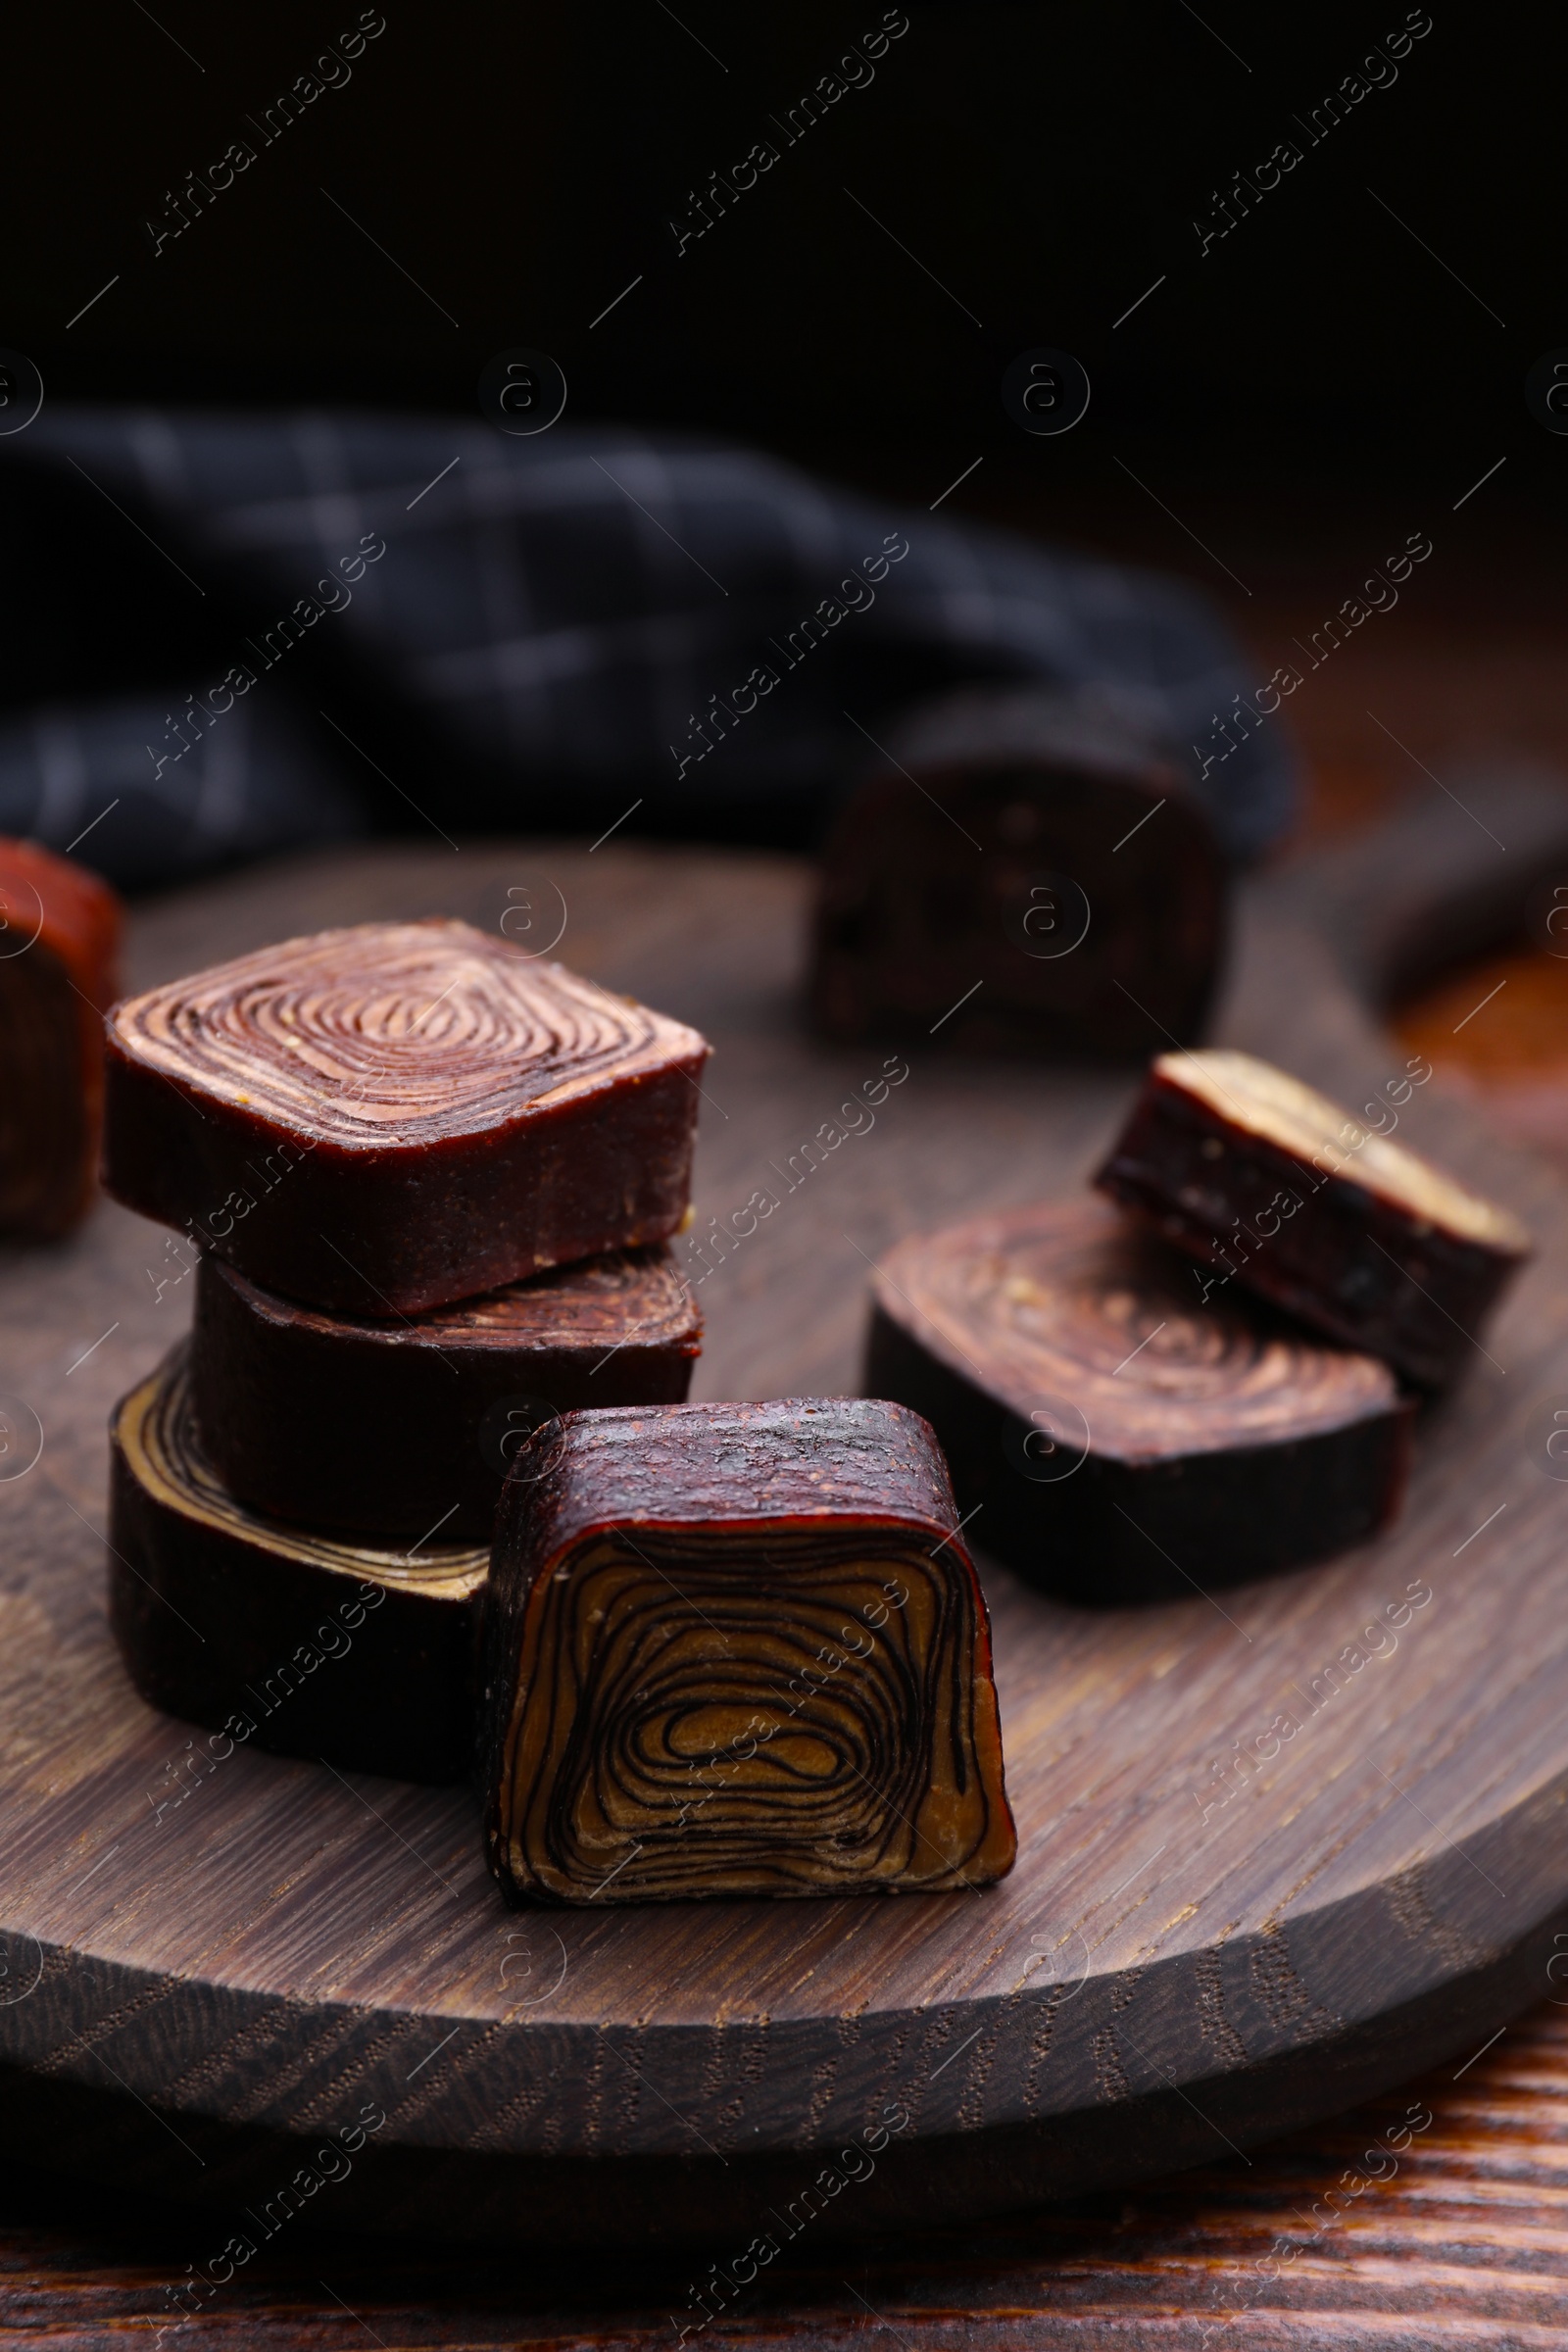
(1436, 2241)
(1462, 2241)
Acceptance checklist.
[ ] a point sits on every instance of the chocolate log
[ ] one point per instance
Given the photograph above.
(1270, 1185)
(1115, 1439)
(383, 1120)
(738, 1649)
(59, 947)
(356, 1652)
(410, 1426)
(1019, 875)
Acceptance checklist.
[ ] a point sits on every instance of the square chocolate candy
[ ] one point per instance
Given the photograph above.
(386, 1118)
(738, 1649)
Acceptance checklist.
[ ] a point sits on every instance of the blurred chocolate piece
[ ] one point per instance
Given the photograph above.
(383, 1120)
(411, 1425)
(304, 1643)
(738, 1649)
(1268, 1183)
(59, 950)
(1114, 1439)
(1019, 874)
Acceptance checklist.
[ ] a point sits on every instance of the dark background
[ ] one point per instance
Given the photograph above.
(1046, 164)
(1315, 388)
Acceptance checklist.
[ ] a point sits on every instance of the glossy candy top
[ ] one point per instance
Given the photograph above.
(855, 1458)
(394, 1116)
(393, 1035)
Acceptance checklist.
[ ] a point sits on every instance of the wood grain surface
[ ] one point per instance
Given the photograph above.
(1195, 1951)
(1348, 2238)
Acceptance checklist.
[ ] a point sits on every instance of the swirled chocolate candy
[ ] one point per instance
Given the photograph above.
(1018, 875)
(738, 1649)
(1115, 1439)
(59, 946)
(411, 1425)
(387, 1118)
(306, 1643)
(1268, 1183)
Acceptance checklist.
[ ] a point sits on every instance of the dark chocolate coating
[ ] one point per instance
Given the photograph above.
(387, 1118)
(356, 1654)
(737, 1649)
(1022, 856)
(1352, 1259)
(1115, 1439)
(408, 1426)
(59, 947)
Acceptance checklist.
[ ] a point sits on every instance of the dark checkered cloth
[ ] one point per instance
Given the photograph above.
(238, 634)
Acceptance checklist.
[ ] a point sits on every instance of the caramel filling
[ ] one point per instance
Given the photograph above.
(750, 1710)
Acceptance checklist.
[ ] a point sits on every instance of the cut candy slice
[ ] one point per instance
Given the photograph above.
(738, 1649)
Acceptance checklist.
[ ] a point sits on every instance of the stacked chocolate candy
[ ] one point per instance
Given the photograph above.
(430, 1183)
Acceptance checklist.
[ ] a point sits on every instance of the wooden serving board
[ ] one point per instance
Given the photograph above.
(1430, 2221)
(197, 1990)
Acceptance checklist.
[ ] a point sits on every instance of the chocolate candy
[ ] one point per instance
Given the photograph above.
(59, 947)
(410, 1425)
(1272, 1187)
(296, 1642)
(1019, 875)
(383, 1120)
(738, 1649)
(1114, 1439)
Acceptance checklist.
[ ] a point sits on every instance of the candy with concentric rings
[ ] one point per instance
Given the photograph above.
(271, 1635)
(59, 946)
(1111, 1434)
(386, 1118)
(409, 1424)
(738, 1649)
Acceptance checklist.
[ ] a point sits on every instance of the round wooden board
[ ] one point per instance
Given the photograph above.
(199, 1989)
